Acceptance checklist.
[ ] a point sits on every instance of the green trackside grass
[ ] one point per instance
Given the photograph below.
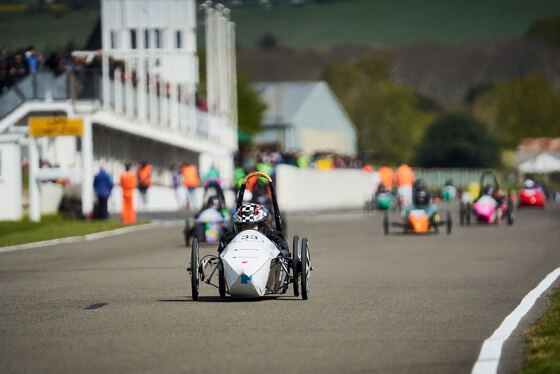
(51, 227)
(543, 338)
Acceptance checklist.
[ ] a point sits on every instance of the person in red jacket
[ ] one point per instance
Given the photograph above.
(144, 181)
(191, 182)
(128, 184)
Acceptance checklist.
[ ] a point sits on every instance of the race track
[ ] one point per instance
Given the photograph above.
(387, 304)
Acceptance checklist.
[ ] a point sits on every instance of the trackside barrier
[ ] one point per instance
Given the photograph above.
(311, 189)
(161, 199)
(435, 178)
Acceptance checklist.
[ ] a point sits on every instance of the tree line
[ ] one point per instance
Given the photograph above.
(398, 123)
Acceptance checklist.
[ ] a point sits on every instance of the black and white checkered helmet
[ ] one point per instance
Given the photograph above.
(251, 215)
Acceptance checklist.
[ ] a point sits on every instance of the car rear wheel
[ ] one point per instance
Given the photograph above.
(296, 255)
(386, 223)
(221, 281)
(305, 268)
(194, 269)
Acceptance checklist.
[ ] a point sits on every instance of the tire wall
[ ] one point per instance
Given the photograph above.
(311, 189)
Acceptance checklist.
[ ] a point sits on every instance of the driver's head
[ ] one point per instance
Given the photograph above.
(214, 202)
(420, 196)
(488, 190)
(528, 183)
(419, 184)
(251, 216)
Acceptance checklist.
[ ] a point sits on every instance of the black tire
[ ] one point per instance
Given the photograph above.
(222, 282)
(386, 223)
(468, 214)
(305, 268)
(194, 269)
(296, 256)
(510, 213)
(449, 223)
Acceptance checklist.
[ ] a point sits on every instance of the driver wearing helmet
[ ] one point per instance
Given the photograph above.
(421, 196)
(254, 217)
(528, 183)
(214, 203)
(489, 194)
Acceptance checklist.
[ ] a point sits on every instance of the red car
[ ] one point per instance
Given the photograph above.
(531, 197)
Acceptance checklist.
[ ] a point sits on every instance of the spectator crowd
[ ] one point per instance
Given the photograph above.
(15, 66)
(250, 159)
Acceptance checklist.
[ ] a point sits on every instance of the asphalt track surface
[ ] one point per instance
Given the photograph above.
(383, 304)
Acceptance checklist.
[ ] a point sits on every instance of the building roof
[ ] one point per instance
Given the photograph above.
(539, 144)
(283, 99)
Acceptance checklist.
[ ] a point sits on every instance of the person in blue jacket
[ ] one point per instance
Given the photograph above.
(103, 185)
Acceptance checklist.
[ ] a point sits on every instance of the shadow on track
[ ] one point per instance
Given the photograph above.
(218, 299)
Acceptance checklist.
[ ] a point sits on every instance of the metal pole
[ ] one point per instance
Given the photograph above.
(118, 90)
(106, 46)
(129, 103)
(87, 166)
(34, 198)
(233, 84)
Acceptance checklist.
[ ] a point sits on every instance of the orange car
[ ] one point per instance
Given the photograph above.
(419, 221)
(420, 217)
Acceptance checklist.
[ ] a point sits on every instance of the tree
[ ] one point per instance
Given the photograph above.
(546, 29)
(250, 107)
(390, 118)
(267, 41)
(458, 140)
(523, 107)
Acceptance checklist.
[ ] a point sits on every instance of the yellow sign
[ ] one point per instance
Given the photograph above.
(55, 126)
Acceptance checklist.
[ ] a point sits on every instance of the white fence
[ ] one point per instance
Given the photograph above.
(311, 189)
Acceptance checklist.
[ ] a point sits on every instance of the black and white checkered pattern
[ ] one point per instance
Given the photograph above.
(251, 213)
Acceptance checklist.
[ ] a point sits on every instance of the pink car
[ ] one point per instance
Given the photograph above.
(489, 207)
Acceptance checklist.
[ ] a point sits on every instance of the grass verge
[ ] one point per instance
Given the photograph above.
(543, 338)
(51, 227)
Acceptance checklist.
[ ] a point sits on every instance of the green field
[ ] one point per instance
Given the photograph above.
(51, 227)
(46, 30)
(390, 22)
(375, 22)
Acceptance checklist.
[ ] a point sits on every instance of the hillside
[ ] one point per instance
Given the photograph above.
(447, 74)
(316, 25)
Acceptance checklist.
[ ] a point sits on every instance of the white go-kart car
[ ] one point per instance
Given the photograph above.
(252, 265)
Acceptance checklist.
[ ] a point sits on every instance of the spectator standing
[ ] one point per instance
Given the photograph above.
(31, 58)
(144, 181)
(128, 184)
(386, 176)
(212, 173)
(103, 186)
(405, 179)
(176, 181)
(264, 166)
(303, 161)
(238, 176)
(191, 182)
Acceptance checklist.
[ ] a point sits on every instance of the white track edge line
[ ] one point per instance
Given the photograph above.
(93, 236)
(489, 357)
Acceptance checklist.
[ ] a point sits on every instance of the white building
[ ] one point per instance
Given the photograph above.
(139, 106)
(305, 116)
